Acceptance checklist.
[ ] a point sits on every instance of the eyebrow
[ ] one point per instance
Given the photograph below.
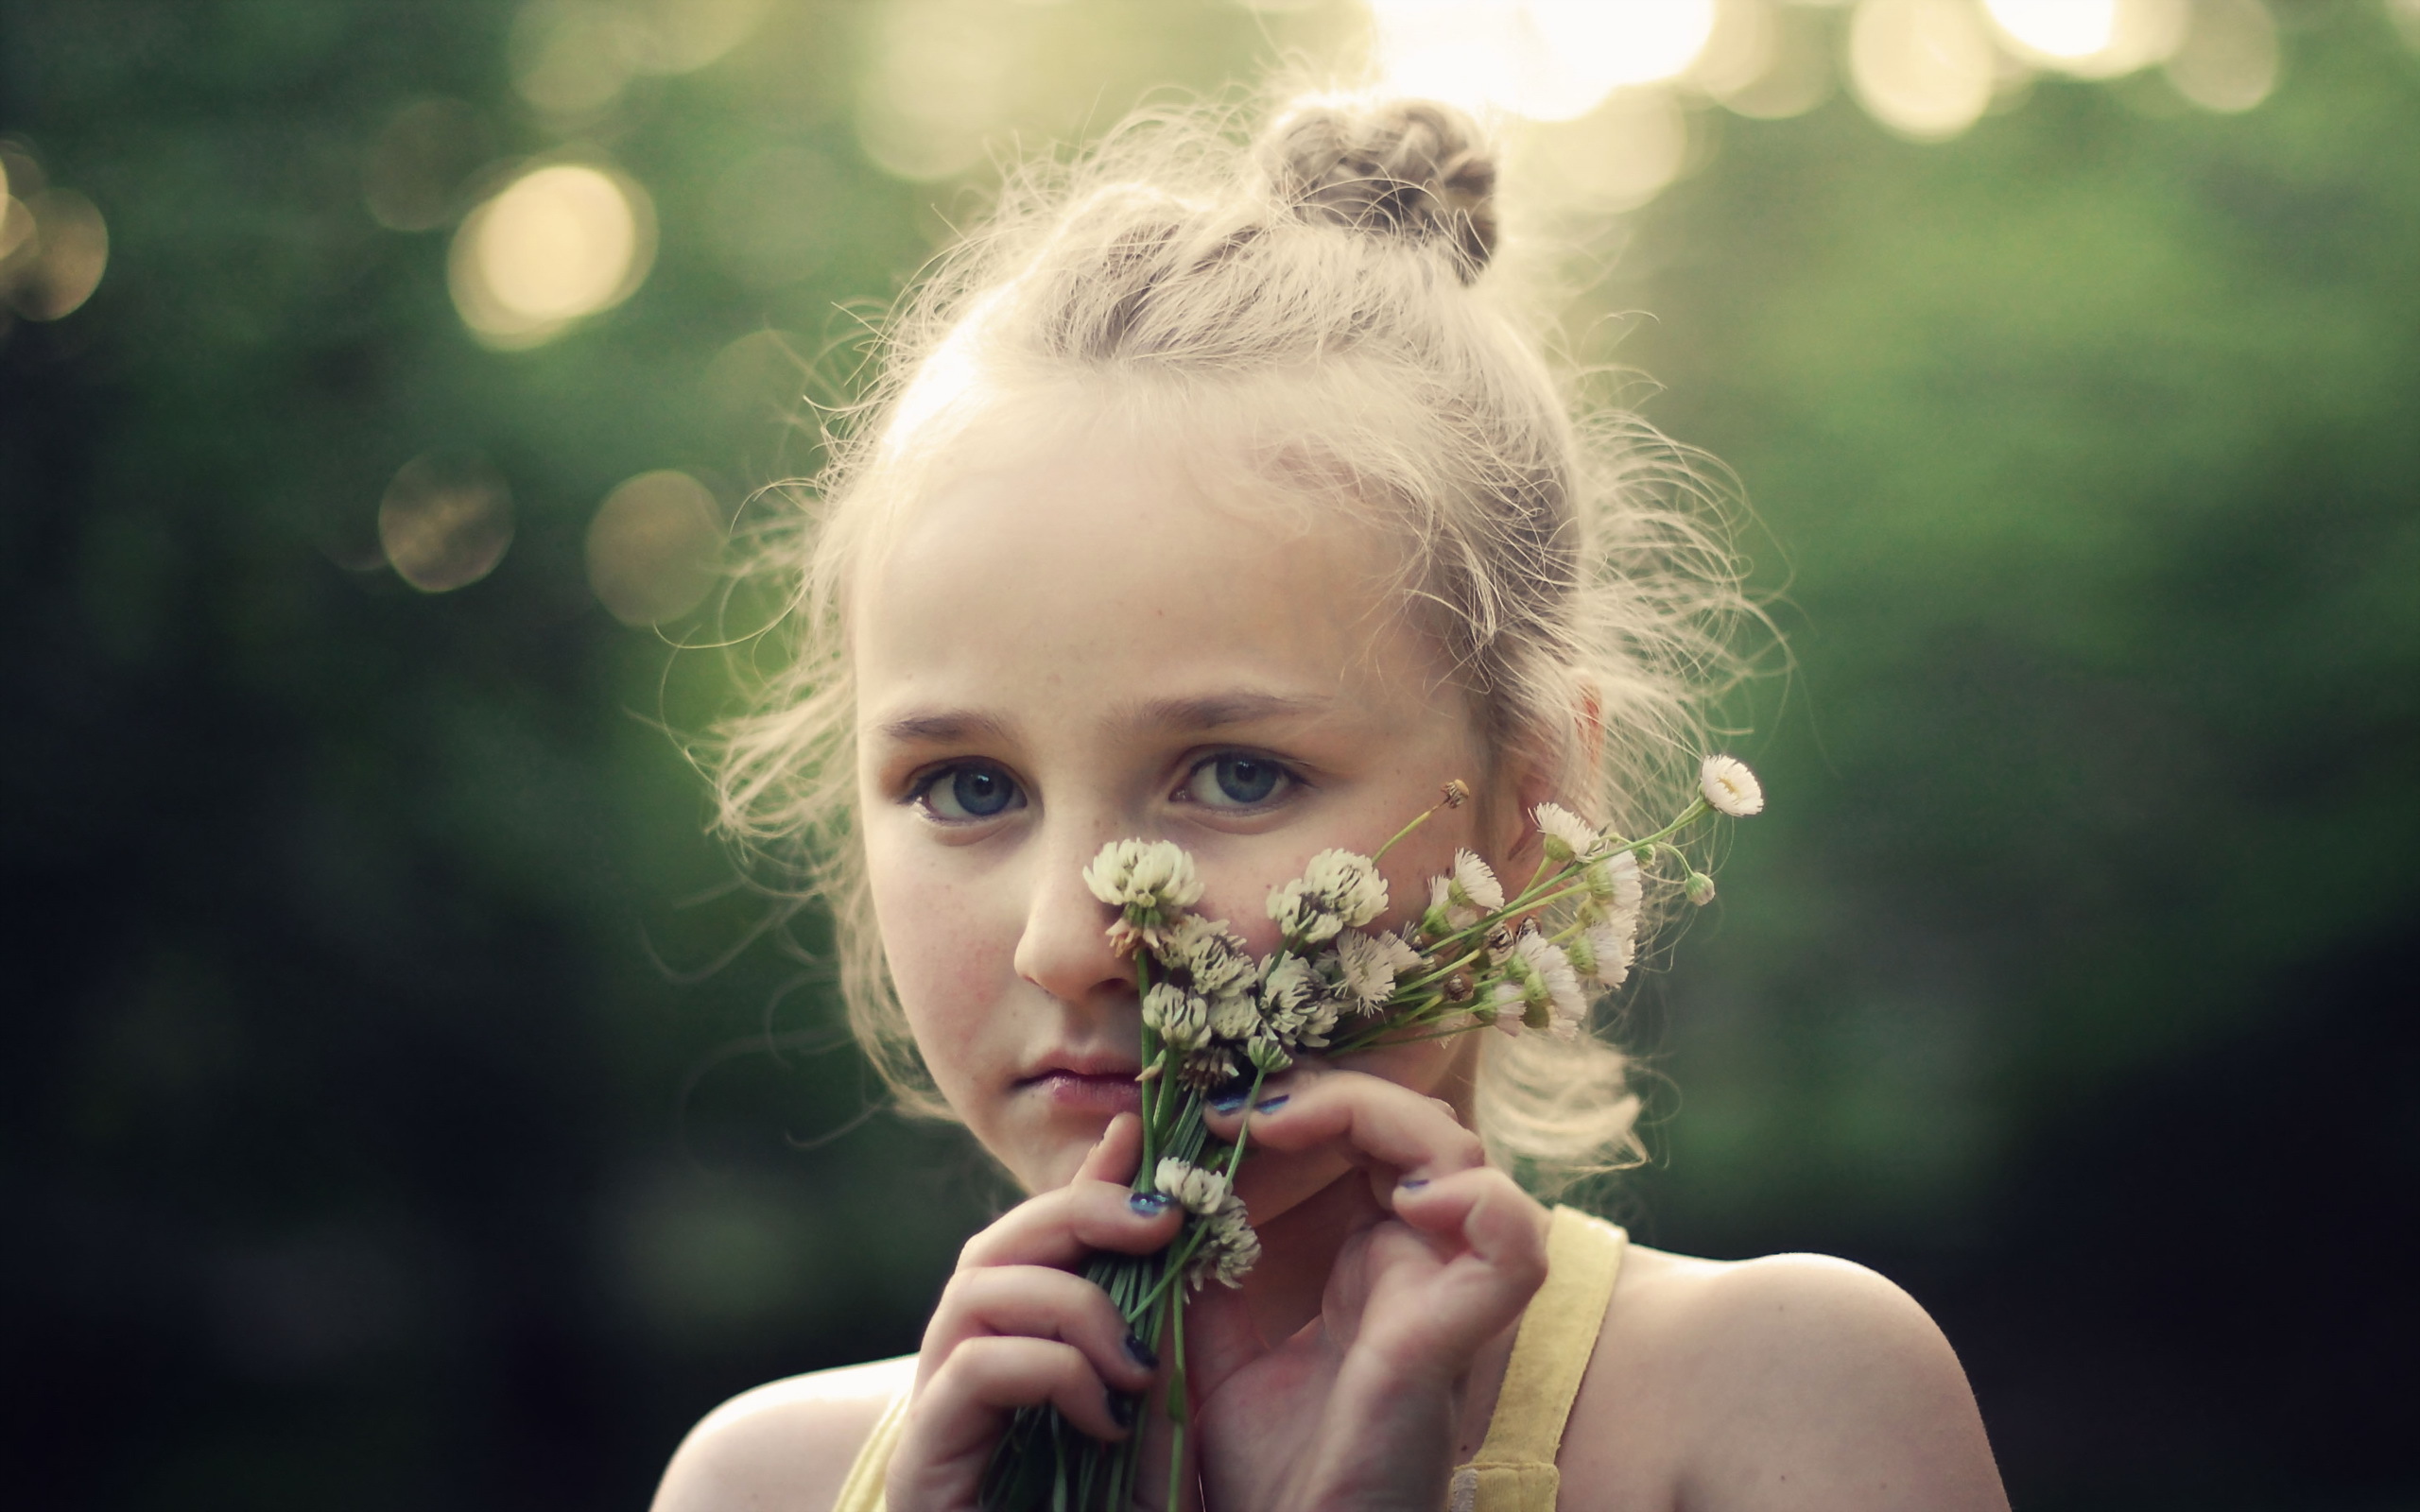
(942, 726)
(1215, 711)
(951, 727)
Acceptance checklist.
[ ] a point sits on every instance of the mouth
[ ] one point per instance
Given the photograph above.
(1087, 1085)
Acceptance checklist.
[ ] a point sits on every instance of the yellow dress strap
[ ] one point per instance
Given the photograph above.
(1514, 1468)
(862, 1490)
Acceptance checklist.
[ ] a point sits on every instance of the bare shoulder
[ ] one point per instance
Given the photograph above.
(1794, 1381)
(784, 1447)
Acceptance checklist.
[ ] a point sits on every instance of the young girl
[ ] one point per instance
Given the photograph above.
(1215, 497)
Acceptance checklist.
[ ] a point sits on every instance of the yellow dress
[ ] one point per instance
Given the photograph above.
(1515, 1470)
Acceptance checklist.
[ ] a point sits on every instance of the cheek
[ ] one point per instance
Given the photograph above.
(946, 962)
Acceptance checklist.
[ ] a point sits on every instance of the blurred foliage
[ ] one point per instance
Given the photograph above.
(387, 1128)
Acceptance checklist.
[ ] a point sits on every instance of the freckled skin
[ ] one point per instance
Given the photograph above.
(1109, 563)
(1038, 625)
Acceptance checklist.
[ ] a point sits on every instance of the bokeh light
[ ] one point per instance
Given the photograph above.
(559, 243)
(653, 547)
(2090, 39)
(444, 522)
(2228, 58)
(1620, 155)
(411, 177)
(59, 248)
(1546, 60)
(938, 81)
(1765, 61)
(1924, 68)
(574, 58)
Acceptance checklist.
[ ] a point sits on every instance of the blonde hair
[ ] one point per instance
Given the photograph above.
(1318, 296)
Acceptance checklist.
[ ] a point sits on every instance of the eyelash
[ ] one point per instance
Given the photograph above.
(1287, 780)
(920, 792)
(1290, 780)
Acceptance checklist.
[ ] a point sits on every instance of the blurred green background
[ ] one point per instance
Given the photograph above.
(404, 1109)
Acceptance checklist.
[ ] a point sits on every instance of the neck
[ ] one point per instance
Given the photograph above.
(1298, 1252)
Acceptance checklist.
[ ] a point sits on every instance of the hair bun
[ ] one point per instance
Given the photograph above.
(1411, 168)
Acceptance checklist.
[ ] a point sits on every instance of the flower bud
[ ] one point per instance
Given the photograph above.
(1700, 889)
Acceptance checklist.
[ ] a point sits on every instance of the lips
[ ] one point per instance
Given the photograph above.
(1087, 1084)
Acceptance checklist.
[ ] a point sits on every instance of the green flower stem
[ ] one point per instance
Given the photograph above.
(1418, 819)
(1151, 1056)
(1178, 1404)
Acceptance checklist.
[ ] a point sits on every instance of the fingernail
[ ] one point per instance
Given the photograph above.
(1121, 1407)
(1149, 1204)
(1143, 1354)
(1228, 1101)
(1412, 1182)
(1270, 1104)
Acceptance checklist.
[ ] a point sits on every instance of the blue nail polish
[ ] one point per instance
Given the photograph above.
(1270, 1104)
(1412, 1183)
(1121, 1409)
(1149, 1204)
(1230, 1100)
(1141, 1354)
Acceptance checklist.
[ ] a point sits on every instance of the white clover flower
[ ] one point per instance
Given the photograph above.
(1615, 882)
(1206, 1067)
(1371, 963)
(1302, 913)
(1555, 981)
(1285, 985)
(1730, 787)
(1195, 1188)
(1506, 1000)
(1473, 886)
(1152, 874)
(1338, 890)
(1229, 1247)
(1267, 1054)
(1567, 833)
(1351, 884)
(1207, 950)
(1235, 1015)
(1182, 1017)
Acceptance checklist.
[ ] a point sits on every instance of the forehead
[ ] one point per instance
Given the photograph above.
(1089, 567)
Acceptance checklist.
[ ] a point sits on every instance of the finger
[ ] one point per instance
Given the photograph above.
(960, 1413)
(1038, 1302)
(1063, 1228)
(1483, 1212)
(1381, 1121)
(1113, 1157)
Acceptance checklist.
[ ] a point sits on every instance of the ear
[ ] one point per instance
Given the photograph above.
(1543, 768)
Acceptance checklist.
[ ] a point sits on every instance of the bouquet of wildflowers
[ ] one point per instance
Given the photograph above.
(1214, 1018)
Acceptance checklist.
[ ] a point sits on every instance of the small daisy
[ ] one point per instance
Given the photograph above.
(1508, 1007)
(1473, 886)
(1567, 833)
(1730, 787)
(1556, 981)
(1611, 950)
(1615, 882)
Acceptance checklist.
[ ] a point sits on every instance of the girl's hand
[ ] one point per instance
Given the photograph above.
(1360, 1406)
(1015, 1327)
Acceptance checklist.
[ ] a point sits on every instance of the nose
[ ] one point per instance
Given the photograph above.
(1064, 948)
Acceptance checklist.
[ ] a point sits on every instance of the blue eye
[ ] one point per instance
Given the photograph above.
(960, 794)
(1236, 780)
